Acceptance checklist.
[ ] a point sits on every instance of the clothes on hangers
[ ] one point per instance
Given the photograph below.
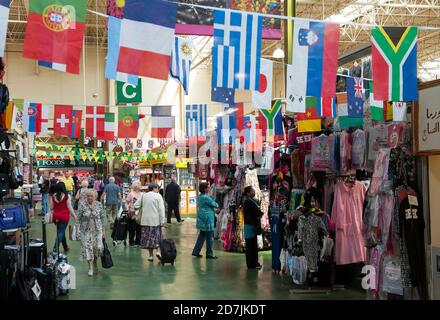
(322, 158)
(358, 149)
(309, 228)
(347, 215)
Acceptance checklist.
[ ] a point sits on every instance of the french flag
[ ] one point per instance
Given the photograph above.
(147, 38)
(315, 58)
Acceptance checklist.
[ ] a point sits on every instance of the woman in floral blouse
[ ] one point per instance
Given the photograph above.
(91, 220)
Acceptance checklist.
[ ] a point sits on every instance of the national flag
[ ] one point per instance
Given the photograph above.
(294, 102)
(237, 50)
(399, 111)
(262, 99)
(162, 122)
(109, 127)
(343, 120)
(310, 121)
(113, 47)
(181, 58)
(223, 95)
(36, 118)
(376, 106)
(355, 99)
(328, 108)
(394, 63)
(388, 111)
(8, 117)
(55, 32)
(52, 65)
(4, 16)
(196, 120)
(315, 59)
(115, 8)
(271, 121)
(67, 122)
(252, 134)
(147, 34)
(230, 124)
(128, 122)
(95, 121)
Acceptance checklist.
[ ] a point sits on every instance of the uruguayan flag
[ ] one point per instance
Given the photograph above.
(4, 16)
(237, 50)
(181, 58)
(196, 120)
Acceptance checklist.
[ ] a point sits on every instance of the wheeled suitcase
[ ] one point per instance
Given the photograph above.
(36, 254)
(120, 228)
(168, 251)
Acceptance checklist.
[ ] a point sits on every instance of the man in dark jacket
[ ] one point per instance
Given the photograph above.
(172, 198)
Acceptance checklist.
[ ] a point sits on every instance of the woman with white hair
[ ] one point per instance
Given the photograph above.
(81, 195)
(134, 228)
(91, 217)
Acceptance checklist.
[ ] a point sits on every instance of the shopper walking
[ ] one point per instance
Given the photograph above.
(44, 185)
(152, 216)
(61, 208)
(252, 227)
(91, 223)
(81, 195)
(172, 197)
(134, 228)
(69, 183)
(206, 207)
(112, 197)
(99, 187)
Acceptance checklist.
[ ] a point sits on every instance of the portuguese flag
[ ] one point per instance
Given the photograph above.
(128, 122)
(55, 31)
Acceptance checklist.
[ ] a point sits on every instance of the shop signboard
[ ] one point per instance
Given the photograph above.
(64, 163)
(192, 202)
(426, 119)
(128, 93)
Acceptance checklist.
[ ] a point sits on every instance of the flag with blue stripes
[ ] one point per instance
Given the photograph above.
(181, 58)
(196, 120)
(52, 65)
(236, 56)
(231, 124)
(113, 46)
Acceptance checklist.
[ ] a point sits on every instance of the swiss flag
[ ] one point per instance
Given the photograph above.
(67, 122)
(95, 121)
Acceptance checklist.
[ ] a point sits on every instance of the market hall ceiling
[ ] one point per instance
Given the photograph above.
(381, 12)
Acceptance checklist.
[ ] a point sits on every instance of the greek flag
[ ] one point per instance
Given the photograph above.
(196, 120)
(181, 58)
(237, 50)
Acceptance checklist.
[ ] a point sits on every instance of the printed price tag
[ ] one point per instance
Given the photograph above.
(413, 201)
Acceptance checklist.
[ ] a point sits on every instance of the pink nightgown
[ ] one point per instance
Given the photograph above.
(347, 216)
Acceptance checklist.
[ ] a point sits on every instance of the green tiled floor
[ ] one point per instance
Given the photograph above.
(133, 277)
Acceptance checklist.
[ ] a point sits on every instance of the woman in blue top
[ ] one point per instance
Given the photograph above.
(206, 207)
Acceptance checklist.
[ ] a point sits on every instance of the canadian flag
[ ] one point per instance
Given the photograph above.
(95, 121)
(67, 122)
(262, 99)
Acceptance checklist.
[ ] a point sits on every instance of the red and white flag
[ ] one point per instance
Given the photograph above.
(162, 122)
(262, 99)
(67, 122)
(95, 121)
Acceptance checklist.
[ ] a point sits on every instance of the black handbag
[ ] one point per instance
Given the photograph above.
(106, 259)
(76, 204)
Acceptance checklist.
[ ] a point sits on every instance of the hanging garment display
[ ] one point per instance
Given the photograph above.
(345, 151)
(392, 275)
(309, 229)
(347, 216)
(275, 218)
(380, 173)
(358, 149)
(323, 153)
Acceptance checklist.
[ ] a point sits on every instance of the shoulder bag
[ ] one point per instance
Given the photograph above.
(106, 259)
(138, 213)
